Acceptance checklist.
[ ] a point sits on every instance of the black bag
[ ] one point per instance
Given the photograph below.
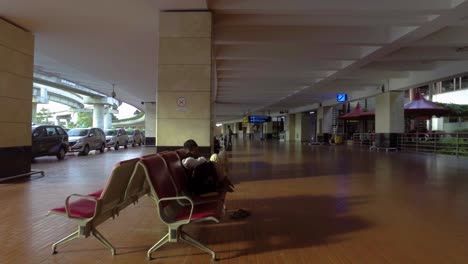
(204, 179)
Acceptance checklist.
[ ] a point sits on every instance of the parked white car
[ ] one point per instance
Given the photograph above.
(85, 139)
(135, 137)
(116, 138)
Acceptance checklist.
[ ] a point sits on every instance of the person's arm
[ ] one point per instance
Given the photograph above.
(190, 163)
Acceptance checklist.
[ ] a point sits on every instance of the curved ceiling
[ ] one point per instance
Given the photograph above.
(269, 54)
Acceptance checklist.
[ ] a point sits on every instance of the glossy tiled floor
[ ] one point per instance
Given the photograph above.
(309, 204)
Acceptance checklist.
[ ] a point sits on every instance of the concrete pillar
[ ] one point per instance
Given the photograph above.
(98, 115)
(57, 121)
(107, 120)
(290, 126)
(235, 128)
(324, 125)
(184, 85)
(268, 130)
(303, 127)
(224, 129)
(16, 88)
(249, 131)
(389, 118)
(34, 113)
(150, 124)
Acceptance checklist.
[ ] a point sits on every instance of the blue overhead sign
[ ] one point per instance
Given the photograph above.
(259, 119)
(342, 97)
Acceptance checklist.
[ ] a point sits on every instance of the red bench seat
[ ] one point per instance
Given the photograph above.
(171, 210)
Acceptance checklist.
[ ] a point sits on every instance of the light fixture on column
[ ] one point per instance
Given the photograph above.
(113, 94)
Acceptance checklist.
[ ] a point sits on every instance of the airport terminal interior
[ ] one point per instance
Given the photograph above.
(342, 125)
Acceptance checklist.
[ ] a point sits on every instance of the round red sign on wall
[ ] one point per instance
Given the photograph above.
(181, 101)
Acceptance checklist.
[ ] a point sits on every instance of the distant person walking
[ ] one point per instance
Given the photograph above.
(228, 143)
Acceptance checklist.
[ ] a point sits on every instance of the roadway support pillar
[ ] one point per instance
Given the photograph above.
(107, 120)
(98, 115)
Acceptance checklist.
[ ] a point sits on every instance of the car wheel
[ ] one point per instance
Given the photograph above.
(103, 147)
(85, 151)
(126, 145)
(116, 147)
(61, 153)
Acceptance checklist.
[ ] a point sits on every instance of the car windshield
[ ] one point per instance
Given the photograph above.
(78, 132)
(111, 132)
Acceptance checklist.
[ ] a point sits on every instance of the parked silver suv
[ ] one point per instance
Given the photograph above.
(135, 137)
(116, 138)
(85, 139)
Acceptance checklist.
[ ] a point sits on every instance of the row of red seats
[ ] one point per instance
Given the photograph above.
(159, 176)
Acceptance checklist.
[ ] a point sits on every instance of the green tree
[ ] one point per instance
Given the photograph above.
(43, 116)
(71, 124)
(84, 120)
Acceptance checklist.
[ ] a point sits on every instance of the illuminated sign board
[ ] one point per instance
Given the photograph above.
(341, 98)
(259, 119)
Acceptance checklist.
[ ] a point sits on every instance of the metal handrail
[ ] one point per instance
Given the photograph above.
(363, 139)
(430, 142)
(435, 142)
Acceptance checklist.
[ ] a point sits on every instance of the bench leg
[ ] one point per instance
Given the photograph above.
(191, 241)
(160, 243)
(66, 239)
(104, 241)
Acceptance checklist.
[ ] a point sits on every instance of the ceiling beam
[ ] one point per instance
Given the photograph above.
(292, 52)
(362, 36)
(367, 19)
(278, 65)
(313, 6)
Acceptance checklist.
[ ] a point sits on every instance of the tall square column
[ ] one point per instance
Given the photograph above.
(150, 123)
(324, 127)
(290, 127)
(184, 83)
(16, 84)
(389, 119)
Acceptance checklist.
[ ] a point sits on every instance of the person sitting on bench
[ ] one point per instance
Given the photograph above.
(200, 182)
(202, 172)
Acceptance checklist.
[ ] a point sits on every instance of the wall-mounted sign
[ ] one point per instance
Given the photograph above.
(342, 97)
(259, 119)
(181, 102)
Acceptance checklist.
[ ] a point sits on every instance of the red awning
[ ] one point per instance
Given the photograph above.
(422, 107)
(358, 114)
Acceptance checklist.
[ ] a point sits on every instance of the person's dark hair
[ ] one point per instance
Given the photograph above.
(190, 144)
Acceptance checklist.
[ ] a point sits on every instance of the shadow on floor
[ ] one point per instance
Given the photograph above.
(284, 223)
